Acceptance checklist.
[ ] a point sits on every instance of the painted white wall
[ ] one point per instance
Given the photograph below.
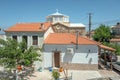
(47, 59)
(84, 58)
(63, 48)
(85, 54)
(39, 64)
(29, 37)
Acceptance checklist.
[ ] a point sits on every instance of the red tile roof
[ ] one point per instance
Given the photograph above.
(30, 27)
(67, 38)
(107, 48)
(115, 40)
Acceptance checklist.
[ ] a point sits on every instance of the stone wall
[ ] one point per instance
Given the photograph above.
(77, 66)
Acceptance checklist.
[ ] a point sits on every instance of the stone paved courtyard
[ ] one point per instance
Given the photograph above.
(76, 75)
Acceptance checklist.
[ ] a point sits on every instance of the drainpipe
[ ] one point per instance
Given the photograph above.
(77, 35)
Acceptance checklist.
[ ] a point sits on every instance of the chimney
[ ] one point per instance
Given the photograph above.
(77, 35)
(42, 26)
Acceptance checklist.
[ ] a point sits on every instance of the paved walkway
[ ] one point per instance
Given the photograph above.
(108, 73)
(76, 75)
(44, 75)
(84, 75)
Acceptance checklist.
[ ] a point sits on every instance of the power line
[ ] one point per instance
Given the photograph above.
(97, 24)
(109, 21)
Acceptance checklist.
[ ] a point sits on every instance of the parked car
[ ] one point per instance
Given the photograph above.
(116, 65)
(109, 56)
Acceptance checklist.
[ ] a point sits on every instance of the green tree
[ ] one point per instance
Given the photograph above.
(115, 46)
(102, 34)
(14, 53)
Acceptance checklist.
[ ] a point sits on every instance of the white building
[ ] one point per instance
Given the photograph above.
(70, 51)
(33, 33)
(61, 49)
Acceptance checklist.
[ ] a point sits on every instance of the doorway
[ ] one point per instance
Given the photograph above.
(57, 59)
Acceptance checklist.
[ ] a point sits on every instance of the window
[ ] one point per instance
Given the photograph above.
(35, 40)
(14, 37)
(24, 38)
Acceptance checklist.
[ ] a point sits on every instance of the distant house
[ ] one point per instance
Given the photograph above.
(116, 34)
(61, 24)
(115, 40)
(33, 33)
(116, 30)
(65, 49)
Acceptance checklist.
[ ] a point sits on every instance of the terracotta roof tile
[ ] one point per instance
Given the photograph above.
(115, 40)
(30, 27)
(67, 38)
(107, 48)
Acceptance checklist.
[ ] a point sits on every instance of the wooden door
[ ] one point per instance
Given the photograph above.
(57, 59)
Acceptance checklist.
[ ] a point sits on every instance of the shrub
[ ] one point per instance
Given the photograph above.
(55, 74)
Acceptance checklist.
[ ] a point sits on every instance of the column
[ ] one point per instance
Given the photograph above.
(40, 41)
(29, 40)
(19, 38)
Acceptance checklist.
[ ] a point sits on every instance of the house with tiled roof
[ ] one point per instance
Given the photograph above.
(70, 51)
(116, 33)
(116, 30)
(33, 33)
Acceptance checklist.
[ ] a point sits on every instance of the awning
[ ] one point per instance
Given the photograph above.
(106, 47)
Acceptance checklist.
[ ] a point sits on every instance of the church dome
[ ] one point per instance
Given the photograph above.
(57, 17)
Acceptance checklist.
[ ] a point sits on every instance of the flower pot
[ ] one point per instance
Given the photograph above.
(19, 68)
(61, 69)
(57, 79)
(50, 69)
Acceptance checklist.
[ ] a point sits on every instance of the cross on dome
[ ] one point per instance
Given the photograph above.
(57, 11)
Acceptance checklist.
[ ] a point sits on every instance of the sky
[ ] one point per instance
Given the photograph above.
(26, 11)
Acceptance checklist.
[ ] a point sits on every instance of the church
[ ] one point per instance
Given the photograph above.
(62, 24)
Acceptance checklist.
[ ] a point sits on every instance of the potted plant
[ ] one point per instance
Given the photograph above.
(55, 74)
(60, 69)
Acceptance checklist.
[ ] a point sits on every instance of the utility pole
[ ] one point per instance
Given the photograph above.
(90, 15)
(77, 35)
